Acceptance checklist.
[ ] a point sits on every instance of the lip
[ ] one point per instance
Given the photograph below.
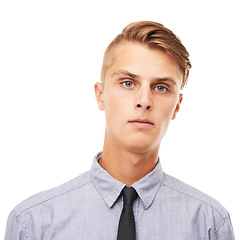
(141, 123)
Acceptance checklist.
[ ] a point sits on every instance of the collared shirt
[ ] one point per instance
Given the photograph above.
(89, 208)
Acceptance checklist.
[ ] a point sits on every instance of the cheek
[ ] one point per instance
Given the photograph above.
(167, 109)
(111, 104)
(116, 101)
(173, 108)
(115, 109)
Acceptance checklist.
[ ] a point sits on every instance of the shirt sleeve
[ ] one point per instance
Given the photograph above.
(226, 231)
(14, 229)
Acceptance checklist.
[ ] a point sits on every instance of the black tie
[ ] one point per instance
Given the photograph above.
(126, 227)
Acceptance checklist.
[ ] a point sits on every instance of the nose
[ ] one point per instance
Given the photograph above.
(144, 99)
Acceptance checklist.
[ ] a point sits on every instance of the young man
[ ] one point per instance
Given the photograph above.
(126, 195)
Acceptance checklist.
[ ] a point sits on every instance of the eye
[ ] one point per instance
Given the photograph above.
(127, 84)
(161, 89)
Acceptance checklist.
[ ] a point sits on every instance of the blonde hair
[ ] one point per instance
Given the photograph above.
(155, 36)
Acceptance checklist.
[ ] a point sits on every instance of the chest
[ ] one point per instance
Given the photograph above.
(160, 221)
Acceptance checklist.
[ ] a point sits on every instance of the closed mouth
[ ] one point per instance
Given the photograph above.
(142, 121)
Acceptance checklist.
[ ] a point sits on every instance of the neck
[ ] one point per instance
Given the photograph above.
(125, 165)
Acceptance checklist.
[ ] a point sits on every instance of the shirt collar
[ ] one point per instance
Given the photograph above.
(110, 188)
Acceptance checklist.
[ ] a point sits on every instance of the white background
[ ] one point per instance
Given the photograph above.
(50, 127)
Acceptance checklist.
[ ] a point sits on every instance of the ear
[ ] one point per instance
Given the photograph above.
(99, 95)
(177, 106)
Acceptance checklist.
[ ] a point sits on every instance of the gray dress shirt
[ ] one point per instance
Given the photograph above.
(89, 207)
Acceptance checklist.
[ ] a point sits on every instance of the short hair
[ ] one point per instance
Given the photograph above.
(155, 36)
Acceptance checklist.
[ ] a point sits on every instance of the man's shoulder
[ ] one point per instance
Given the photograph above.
(53, 193)
(193, 194)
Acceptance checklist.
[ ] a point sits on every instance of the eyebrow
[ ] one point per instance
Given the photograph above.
(124, 72)
(135, 76)
(166, 79)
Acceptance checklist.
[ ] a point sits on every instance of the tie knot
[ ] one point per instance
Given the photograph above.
(129, 195)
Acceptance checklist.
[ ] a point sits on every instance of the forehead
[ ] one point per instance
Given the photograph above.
(144, 61)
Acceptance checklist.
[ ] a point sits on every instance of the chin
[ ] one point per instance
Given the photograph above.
(140, 147)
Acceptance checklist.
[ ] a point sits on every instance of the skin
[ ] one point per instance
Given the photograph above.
(140, 96)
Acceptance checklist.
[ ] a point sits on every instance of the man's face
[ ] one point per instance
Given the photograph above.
(141, 95)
